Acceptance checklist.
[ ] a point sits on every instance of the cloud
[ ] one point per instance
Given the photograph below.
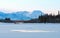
(30, 31)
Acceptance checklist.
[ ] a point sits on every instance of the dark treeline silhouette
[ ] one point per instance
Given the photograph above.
(49, 18)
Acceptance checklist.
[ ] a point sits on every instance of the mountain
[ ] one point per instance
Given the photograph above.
(2, 15)
(36, 14)
(21, 15)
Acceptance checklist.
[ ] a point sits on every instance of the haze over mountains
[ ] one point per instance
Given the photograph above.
(21, 15)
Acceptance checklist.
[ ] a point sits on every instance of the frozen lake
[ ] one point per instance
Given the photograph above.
(29, 30)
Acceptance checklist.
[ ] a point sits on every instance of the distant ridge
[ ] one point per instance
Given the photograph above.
(21, 15)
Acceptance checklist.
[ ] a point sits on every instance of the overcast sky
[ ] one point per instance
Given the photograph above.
(29, 5)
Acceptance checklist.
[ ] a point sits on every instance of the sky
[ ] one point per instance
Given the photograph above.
(46, 6)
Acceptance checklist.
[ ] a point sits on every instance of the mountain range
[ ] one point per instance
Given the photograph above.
(21, 15)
